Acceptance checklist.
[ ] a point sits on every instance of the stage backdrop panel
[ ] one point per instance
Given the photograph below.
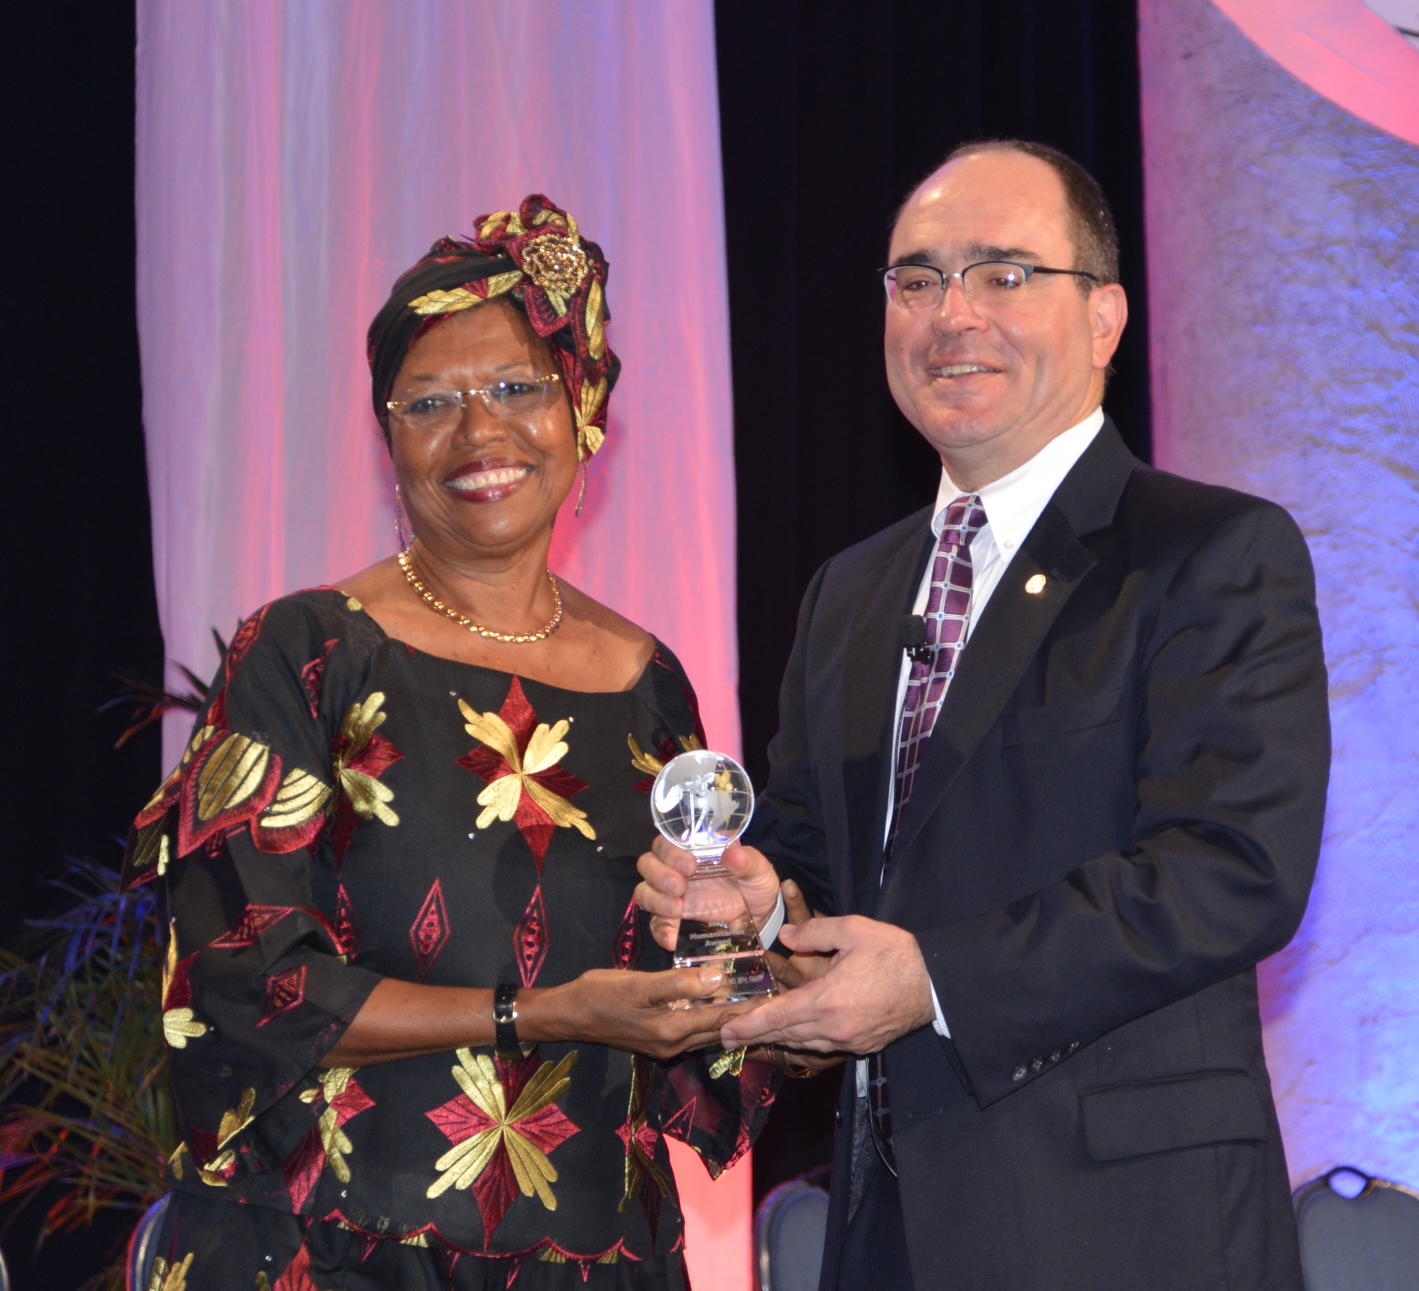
(1282, 272)
(293, 158)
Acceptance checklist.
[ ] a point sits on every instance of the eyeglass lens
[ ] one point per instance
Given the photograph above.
(504, 399)
(922, 286)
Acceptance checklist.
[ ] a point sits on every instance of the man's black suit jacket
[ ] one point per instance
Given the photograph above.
(1118, 814)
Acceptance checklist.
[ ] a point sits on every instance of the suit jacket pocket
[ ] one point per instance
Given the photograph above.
(1061, 719)
(1179, 1112)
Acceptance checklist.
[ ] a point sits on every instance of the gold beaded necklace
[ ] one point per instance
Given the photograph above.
(406, 563)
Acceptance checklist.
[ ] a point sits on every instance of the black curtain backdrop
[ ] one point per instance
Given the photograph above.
(76, 522)
(830, 112)
(76, 528)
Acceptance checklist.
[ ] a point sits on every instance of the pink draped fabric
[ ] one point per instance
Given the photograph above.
(1343, 50)
(293, 158)
(1285, 335)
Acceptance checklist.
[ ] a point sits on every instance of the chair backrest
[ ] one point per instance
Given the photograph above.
(788, 1236)
(1358, 1233)
(143, 1246)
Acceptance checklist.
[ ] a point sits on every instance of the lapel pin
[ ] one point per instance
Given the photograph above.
(1035, 584)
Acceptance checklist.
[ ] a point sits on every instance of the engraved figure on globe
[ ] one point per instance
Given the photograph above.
(702, 802)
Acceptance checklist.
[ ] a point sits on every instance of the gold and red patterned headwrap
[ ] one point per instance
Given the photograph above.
(536, 258)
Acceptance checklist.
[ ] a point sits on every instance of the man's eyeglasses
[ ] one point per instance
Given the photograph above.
(988, 282)
(507, 400)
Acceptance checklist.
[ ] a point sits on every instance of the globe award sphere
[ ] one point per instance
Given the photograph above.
(702, 802)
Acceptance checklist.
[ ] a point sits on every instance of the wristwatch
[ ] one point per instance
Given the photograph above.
(505, 1041)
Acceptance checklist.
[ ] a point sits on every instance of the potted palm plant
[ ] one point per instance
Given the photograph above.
(86, 1107)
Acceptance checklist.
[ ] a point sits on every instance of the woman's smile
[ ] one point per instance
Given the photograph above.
(488, 480)
(492, 479)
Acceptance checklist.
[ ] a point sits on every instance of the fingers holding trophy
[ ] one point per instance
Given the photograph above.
(702, 802)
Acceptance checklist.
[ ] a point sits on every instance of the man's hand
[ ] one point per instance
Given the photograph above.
(875, 989)
(666, 869)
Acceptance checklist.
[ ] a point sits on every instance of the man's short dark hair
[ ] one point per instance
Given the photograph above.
(1091, 223)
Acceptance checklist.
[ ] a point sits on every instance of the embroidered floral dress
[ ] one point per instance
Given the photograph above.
(348, 809)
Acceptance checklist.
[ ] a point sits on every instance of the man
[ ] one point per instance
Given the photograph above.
(1057, 836)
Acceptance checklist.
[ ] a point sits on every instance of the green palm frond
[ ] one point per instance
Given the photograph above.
(85, 1098)
(152, 700)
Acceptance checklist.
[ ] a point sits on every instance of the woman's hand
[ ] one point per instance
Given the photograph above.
(620, 1009)
(797, 969)
(666, 869)
(610, 1006)
(627, 1010)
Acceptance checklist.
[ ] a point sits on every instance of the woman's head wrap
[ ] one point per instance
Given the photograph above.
(535, 257)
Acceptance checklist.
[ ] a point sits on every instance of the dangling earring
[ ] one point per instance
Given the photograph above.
(581, 494)
(405, 540)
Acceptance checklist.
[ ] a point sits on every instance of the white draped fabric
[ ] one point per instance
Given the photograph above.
(293, 158)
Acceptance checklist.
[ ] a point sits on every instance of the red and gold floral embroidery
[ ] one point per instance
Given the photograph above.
(555, 1255)
(246, 637)
(284, 992)
(149, 854)
(170, 1277)
(296, 815)
(155, 810)
(646, 1179)
(256, 919)
(327, 1143)
(313, 676)
(231, 780)
(531, 940)
(217, 1162)
(626, 945)
(503, 1128)
(225, 781)
(347, 927)
(431, 930)
(729, 1062)
(519, 762)
(296, 1277)
(362, 756)
(653, 765)
(704, 1114)
(149, 851)
(692, 702)
(180, 1023)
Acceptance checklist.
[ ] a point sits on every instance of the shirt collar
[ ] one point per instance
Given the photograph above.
(1013, 502)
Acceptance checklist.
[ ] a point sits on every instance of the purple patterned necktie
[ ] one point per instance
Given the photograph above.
(948, 611)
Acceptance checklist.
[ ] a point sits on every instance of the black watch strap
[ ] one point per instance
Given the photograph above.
(505, 1042)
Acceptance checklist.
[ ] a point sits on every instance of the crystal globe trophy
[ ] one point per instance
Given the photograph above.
(702, 801)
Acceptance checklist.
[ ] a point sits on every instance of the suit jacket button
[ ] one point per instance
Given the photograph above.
(1073, 1045)
(838, 1116)
(1037, 1064)
(1019, 1074)
(1056, 1056)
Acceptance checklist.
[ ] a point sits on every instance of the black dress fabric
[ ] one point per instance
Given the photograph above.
(348, 809)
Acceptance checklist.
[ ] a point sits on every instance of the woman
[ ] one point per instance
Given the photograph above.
(414, 803)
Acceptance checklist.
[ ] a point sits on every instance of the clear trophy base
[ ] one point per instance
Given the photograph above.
(729, 943)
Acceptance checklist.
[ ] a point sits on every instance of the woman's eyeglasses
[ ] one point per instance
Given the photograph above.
(508, 400)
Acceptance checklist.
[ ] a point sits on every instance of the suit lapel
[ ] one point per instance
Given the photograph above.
(1016, 621)
(869, 692)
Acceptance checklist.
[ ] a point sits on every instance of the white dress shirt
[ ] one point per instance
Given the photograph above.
(1012, 505)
